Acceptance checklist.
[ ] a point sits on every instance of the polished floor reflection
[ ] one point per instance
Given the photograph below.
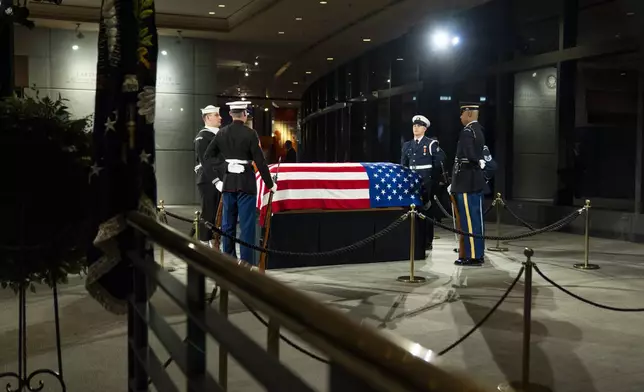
(575, 347)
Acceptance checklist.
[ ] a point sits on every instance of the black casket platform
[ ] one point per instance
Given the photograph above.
(321, 231)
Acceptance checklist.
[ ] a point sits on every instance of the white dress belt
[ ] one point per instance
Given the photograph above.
(236, 166)
(420, 167)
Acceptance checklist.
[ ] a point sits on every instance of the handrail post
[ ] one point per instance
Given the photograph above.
(138, 331)
(196, 337)
(163, 219)
(273, 337)
(223, 354)
(524, 385)
(412, 249)
(585, 265)
(497, 204)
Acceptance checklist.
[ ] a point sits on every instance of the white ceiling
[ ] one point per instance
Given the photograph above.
(246, 29)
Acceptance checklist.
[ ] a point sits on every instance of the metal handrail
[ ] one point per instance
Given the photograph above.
(388, 363)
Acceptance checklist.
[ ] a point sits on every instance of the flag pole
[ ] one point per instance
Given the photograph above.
(267, 221)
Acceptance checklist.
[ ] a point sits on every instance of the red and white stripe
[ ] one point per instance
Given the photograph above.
(316, 186)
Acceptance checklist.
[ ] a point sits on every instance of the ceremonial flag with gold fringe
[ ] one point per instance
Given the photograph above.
(122, 175)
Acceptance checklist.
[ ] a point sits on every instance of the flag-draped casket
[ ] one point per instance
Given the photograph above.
(339, 186)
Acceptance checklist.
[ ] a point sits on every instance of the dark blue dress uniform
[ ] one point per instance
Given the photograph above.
(234, 150)
(468, 185)
(206, 175)
(424, 156)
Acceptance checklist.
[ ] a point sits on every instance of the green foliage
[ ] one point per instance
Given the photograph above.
(45, 195)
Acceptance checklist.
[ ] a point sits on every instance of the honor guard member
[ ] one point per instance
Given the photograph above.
(423, 155)
(235, 149)
(206, 173)
(468, 184)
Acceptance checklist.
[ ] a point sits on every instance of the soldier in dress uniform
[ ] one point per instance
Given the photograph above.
(424, 156)
(235, 149)
(468, 185)
(206, 173)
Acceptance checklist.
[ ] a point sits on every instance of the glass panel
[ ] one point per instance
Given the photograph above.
(606, 131)
(380, 69)
(537, 26)
(342, 83)
(609, 20)
(330, 88)
(404, 63)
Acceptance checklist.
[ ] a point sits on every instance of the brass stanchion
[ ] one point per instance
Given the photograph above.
(524, 385)
(585, 265)
(498, 203)
(412, 248)
(196, 224)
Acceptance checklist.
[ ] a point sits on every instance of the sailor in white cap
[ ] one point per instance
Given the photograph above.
(423, 155)
(235, 148)
(206, 173)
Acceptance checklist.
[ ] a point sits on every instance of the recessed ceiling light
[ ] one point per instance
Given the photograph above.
(399, 59)
(323, 2)
(211, 13)
(280, 32)
(222, 5)
(163, 52)
(75, 47)
(308, 72)
(245, 73)
(296, 82)
(366, 39)
(289, 91)
(290, 103)
(329, 58)
(298, 18)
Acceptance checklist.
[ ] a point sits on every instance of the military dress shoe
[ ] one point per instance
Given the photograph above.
(467, 262)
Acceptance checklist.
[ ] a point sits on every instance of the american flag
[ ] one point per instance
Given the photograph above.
(340, 186)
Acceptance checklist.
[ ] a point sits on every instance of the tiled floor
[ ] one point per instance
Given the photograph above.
(575, 347)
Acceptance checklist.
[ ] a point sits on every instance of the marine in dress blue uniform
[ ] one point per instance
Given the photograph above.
(234, 150)
(424, 156)
(468, 185)
(206, 173)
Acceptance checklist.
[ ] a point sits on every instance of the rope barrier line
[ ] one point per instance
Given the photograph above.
(553, 227)
(486, 317)
(517, 217)
(589, 302)
(334, 252)
(285, 339)
(179, 217)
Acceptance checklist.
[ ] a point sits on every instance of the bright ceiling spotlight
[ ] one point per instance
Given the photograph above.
(440, 40)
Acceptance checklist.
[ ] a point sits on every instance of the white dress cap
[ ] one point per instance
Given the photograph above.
(210, 109)
(238, 105)
(421, 120)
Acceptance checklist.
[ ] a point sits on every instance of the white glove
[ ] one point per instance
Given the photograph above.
(220, 186)
(274, 188)
(235, 168)
(482, 163)
(449, 189)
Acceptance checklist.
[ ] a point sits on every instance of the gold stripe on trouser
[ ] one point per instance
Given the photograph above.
(469, 224)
